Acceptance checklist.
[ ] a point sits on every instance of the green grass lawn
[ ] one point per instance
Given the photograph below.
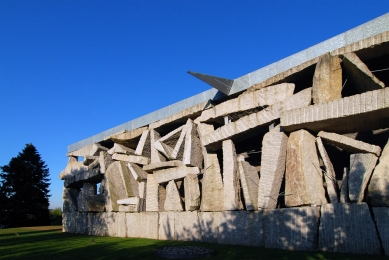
(51, 243)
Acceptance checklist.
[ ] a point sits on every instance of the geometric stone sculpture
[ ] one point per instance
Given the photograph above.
(88, 189)
(173, 201)
(357, 113)
(249, 180)
(379, 182)
(303, 177)
(347, 228)
(256, 120)
(212, 192)
(332, 184)
(151, 193)
(192, 192)
(137, 172)
(349, 144)
(176, 173)
(118, 148)
(120, 183)
(360, 75)
(327, 80)
(231, 184)
(361, 168)
(273, 160)
(69, 197)
(249, 100)
(73, 167)
(162, 165)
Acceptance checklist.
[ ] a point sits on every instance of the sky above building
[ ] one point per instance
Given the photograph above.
(72, 69)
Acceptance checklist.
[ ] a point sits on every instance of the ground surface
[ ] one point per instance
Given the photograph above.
(51, 243)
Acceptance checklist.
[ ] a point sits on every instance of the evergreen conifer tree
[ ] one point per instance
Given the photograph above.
(24, 193)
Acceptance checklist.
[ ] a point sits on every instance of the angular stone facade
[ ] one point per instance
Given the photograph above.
(294, 162)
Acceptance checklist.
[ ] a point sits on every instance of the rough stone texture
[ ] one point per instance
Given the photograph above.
(192, 192)
(73, 167)
(360, 75)
(212, 198)
(151, 193)
(292, 229)
(164, 149)
(161, 198)
(143, 148)
(327, 80)
(69, 197)
(166, 229)
(363, 44)
(349, 144)
(75, 222)
(173, 201)
(381, 218)
(347, 228)
(210, 223)
(180, 142)
(253, 121)
(357, 113)
(332, 184)
(128, 208)
(303, 177)
(283, 76)
(137, 172)
(193, 151)
(96, 203)
(118, 148)
(127, 138)
(187, 226)
(182, 115)
(88, 189)
(344, 189)
(121, 224)
(129, 201)
(105, 159)
(249, 180)
(273, 160)
(148, 225)
(249, 100)
(379, 183)
(176, 173)
(96, 224)
(133, 224)
(361, 168)
(91, 175)
(91, 150)
(131, 158)
(241, 228)
(155, 155)
(120, 184)
(162, 165)
(232, 200)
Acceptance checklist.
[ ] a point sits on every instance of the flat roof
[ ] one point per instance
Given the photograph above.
(366, 30)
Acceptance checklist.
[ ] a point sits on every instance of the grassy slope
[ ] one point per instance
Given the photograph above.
(51, 243)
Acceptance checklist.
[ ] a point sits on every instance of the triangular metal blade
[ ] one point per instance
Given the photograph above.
(221, 84)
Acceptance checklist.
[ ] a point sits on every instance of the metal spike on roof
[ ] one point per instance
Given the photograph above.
(221, 84)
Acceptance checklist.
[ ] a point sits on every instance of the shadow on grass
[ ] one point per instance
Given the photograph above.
(58, 245)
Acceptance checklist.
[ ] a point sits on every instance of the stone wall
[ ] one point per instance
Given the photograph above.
(299, 162)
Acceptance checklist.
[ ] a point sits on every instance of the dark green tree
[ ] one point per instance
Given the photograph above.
(24, 193)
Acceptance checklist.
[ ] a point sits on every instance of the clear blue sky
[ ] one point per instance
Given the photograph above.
(72, 69)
